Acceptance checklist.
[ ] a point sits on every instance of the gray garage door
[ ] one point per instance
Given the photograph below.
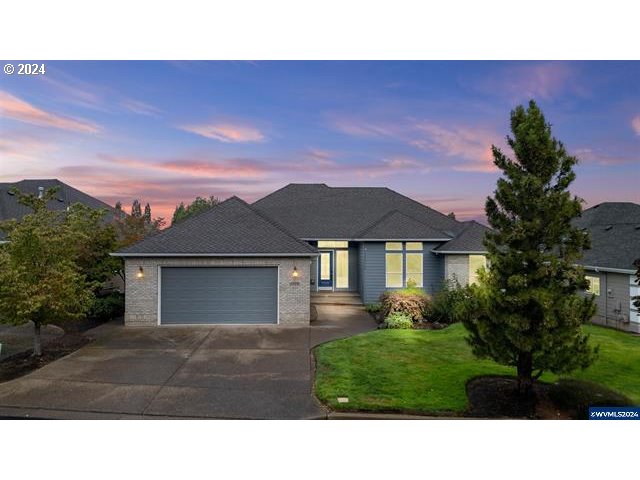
(218, 295)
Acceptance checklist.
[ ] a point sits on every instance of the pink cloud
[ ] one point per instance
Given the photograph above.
(226, 132)
(16, 109)
(635, 124)
(470, 144)
(226, 168)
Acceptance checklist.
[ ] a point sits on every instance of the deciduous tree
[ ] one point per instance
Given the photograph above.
(40, 280)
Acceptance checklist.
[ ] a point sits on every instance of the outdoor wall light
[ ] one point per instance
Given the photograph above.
(295, 273)
(140, 273)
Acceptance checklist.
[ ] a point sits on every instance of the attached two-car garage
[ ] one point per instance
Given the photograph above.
(218, 295)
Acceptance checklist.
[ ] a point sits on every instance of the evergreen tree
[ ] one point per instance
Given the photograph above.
(179, 213)
(530, 311)
(147, 214)
(136, 210)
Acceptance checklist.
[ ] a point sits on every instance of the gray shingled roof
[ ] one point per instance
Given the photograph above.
(396, 226)
(67, 195)
(469, 240)
(231, 228)
(316, 211)
(614, 228)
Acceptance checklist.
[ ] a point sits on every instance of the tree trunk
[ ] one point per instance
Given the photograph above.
(525, 374)
(37, 341)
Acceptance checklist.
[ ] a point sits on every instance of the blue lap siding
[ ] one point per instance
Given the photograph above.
(372, 270)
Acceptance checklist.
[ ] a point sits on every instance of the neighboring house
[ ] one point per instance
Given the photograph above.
(260, 263)
(10, 208)
(614, 228)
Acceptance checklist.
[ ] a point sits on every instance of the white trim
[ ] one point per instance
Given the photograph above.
(606, 269)
(158, 314)
(263, 255)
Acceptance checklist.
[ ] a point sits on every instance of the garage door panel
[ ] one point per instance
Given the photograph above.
(211, 295)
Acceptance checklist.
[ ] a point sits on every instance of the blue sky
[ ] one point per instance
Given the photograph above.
(165, 132)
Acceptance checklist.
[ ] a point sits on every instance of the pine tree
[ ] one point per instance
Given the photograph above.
(136, 210)
(530, 310)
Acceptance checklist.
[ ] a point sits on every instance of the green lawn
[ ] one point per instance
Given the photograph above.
(426, 370)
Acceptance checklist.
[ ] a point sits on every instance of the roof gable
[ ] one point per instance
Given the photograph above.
(230, 228)
(397, 226)
(469, 240)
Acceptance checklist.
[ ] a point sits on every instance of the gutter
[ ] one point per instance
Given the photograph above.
(607, 269)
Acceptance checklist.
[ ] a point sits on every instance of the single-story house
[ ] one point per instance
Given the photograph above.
(614, 228)
(260, 263)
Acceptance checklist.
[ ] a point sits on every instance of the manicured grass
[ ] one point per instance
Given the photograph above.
(426, 370)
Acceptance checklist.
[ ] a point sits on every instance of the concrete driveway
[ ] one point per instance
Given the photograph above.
(185, 372)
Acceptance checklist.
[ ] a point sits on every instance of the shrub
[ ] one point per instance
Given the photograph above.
(452, 303)
(107, 307)
(373, 308)
(412, 302)
(398, 320)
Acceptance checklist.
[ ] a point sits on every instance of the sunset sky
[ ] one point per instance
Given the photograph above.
(165, 132)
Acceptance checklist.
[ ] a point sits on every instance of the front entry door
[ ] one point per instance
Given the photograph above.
(325, 273)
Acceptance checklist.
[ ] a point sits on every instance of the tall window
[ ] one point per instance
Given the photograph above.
(342, 268)
(594, 285)
(476, 262)
(393, 270)
(414, 268)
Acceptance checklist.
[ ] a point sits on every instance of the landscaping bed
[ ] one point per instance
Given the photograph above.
(498, 397)
(22, 363)
(428, 371)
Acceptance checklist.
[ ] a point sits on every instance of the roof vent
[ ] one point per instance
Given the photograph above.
(11, 192)
(637, 227)
(608, 227)
(40, 192)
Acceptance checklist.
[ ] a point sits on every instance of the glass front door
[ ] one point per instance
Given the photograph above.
(325, 270)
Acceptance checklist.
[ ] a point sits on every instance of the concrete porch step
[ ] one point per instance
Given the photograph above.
(336, 298)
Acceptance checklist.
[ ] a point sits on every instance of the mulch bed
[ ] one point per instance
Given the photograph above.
(498, 397)
(22, 363)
